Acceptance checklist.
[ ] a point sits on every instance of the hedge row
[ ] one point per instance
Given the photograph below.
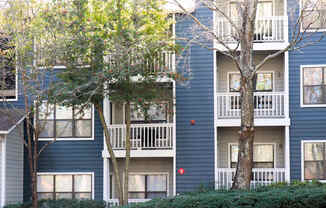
(308, 196)
(62, 203)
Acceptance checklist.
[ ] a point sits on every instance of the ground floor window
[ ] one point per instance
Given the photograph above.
(314, 160)
(68, 186)
(263, 155)
(148, 186)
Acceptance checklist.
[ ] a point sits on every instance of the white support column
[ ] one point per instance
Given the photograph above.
(287, 153)
(174, 140)
(286, 21)
(105, 179)
(286, 85)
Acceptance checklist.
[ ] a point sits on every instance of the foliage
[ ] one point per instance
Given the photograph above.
(285, 196)
(62, 203)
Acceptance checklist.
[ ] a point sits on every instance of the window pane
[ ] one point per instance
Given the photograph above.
(64, 128)
(313, 151)
(234, 82)
(46, 128)
(314, 170)
(136, 195)
(264, 9)
(63, 195)
(83, 128)
(46, 111)
(313, 95)
(63, 112)
(136, 114)
(83, 196)
(156, 195)
(264, 81)
(263, 153)
(45, 183)
(312, 19)
(157, 112)
(234, 153)
(45, 196)
(313, 76)
(63, 183)
(83, 183)
(85, 114)
(136, 183)
(156, 183)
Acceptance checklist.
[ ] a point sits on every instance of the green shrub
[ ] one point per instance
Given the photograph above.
(62, 203)
(303, 195)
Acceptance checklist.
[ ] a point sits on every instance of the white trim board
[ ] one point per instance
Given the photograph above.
(3, 172)
(73, 173)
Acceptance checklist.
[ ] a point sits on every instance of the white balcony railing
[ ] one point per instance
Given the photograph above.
(260, 177)
(115, 202)
(268, 29)
(143, 136)
(267, 105)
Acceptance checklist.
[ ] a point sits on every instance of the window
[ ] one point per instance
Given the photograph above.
(64, 122)
(148, 186)
(7, 72)
(156, 113)
(314, 160)
(314, 14)
(314, 85)
(263, 82)
(263, 155)
(68, 186)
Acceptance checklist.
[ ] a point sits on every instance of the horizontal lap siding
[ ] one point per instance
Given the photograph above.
(195, 143)
(306, 123)
(74, 156)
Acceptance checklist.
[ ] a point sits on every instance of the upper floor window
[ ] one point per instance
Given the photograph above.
(264, 9)
(263, 81)
(314, 85)
(314, 14)
(65, 122)
(157, 113)
(148, 186)
(64, 186)
(263, 155)
(314, 160)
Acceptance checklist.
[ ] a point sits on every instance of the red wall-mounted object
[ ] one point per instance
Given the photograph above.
(192, 122)
(181, 171)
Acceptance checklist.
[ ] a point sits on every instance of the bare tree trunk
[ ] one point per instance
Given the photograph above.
(112, 155)
(126, 180)
(243, 173)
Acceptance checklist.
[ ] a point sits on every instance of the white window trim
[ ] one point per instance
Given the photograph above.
(310, 30)
(302, 156)
(72, 173)
(72, 138)
(259, 143)
(302, 105)
(153, 173)
(16, 91)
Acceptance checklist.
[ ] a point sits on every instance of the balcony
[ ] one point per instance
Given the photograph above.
(260, 177)
(270, 32)
(268, 106)
(147, 140)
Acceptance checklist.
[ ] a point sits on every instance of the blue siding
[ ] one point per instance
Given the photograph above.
(74, 156)
(306, 123)
(195, 143)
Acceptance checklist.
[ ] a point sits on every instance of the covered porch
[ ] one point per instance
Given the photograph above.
(270, 156)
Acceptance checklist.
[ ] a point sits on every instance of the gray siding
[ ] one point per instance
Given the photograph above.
(14, 166)
(1, 175)
(270, 135)
(195, 143)
(147, 166)
(226, 65)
